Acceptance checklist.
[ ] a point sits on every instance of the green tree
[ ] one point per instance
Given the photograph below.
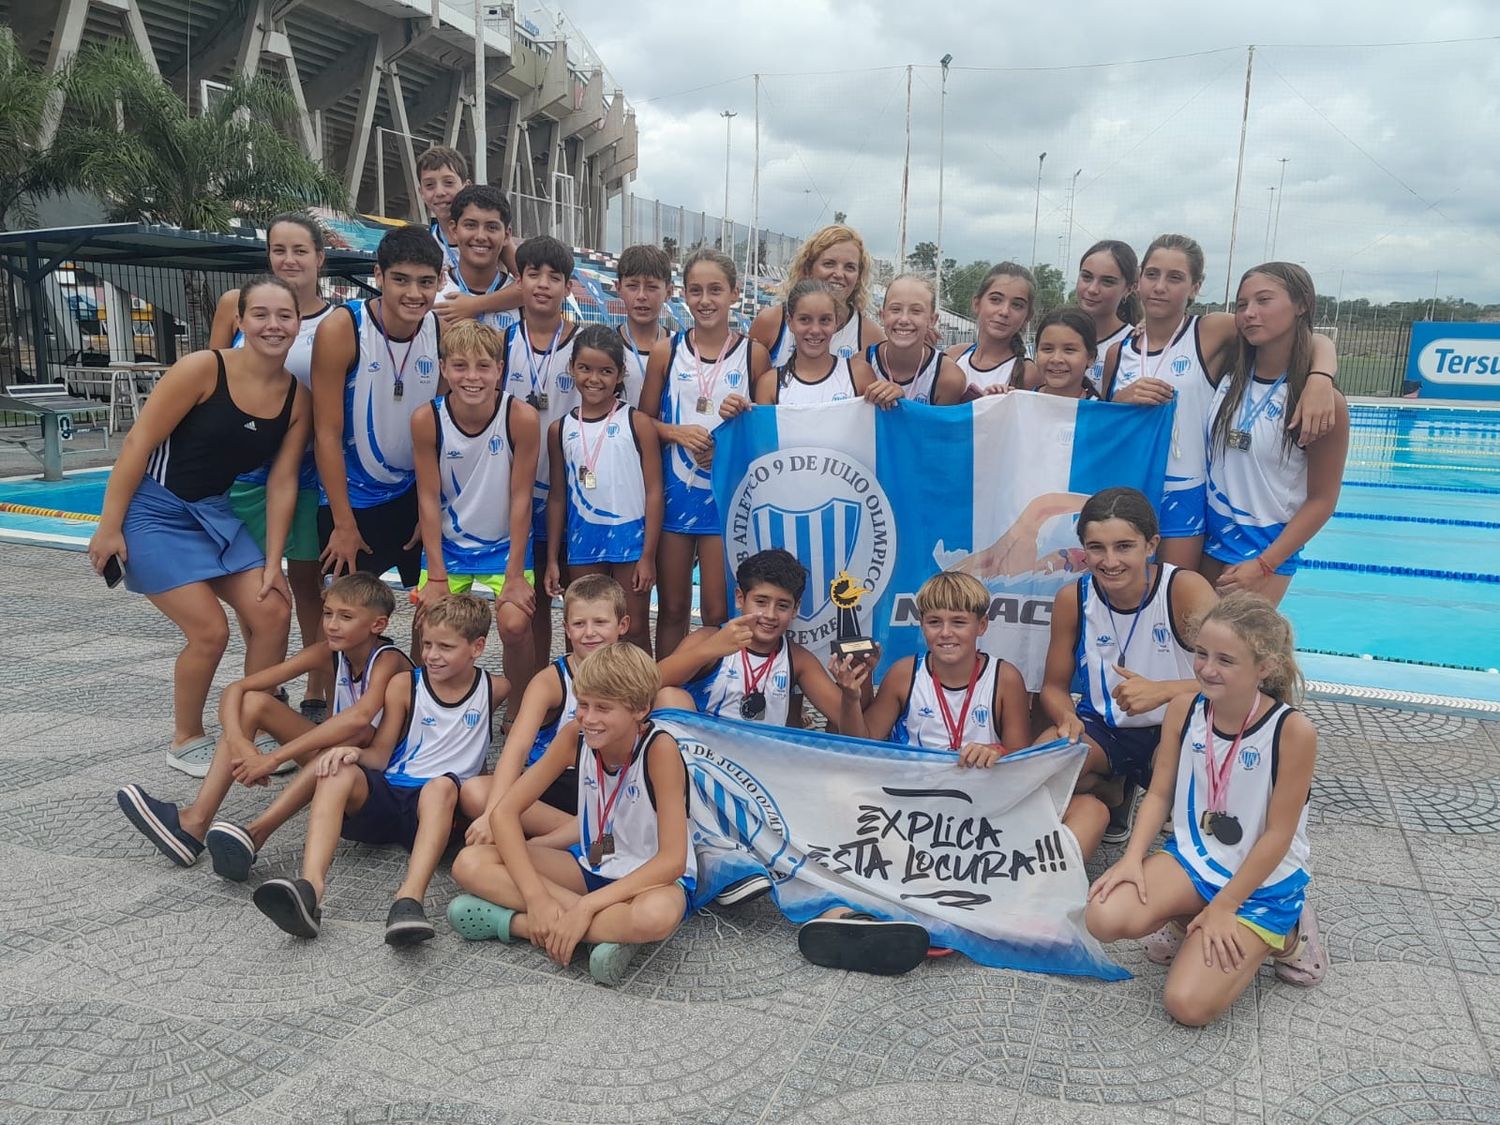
(1051, 290)
(840, 217)
(923, 257)
(961, 285)
(669, 244)
(129, 139)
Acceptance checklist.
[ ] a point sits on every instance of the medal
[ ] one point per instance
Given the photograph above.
(399, 390)
(1223, 827)
(956, 729)
(1239, 439)
(596, 852)
(540, 380)
(1215, 821)
(708, 378)
(541, 401)
(1250, 412)
(398, 387)
(587, 479)
(603, 844)
(587, 476)
(532, 401)
(705, 405)
(753, 706)
(1109, 609)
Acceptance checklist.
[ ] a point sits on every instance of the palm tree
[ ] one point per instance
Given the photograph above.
(128, 138)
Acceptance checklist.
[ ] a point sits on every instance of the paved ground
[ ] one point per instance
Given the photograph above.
(134, 991)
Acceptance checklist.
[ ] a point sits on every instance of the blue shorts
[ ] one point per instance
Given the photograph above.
(1129, 749)
(1184, 512)
(1230, 542)
(389, 814)
(170, 542)
(1270, 912)
(596, 882)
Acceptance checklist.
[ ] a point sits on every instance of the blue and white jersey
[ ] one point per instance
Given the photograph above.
(1147, 642)
(1095, 373)
(442, 737)
(921, 385)
(847, 341)
(475, 498)
(455, 286)
(721, 689)
(981, 377)
(687, 488)
(1251, 779)
(921, 722)
(1253, 493)
(299, 364)
(632, 815)
(561, 718)
(541, 377)
(635, 367)
(377, 425)
(606, 522)
(449, 249)
(1181, 364)
(836, 386)
(349, 689)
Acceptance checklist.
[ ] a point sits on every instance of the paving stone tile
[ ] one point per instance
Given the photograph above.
(1369, 922)
(1404, 1094)
(1359, 851)
(1462, 865)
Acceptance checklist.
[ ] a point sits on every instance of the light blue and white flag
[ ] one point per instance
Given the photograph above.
(977, 857)
(992, 487)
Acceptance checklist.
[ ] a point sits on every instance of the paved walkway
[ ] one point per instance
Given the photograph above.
(134, 991)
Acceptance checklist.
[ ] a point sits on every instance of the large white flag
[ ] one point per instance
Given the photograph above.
(978, 857)
(992, 487)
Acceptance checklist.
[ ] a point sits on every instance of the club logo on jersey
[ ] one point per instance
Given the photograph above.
(471, 718)
(1159, 635)
(1249, 758)
(829, 510)
(980, 715)
(1273, 411)
(497, 444)
(734, 378)
(845, 351)
(780, 682)
(565, 383)
(425, 367)
(1180, 365)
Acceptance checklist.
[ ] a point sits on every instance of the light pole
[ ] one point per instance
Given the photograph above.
(1280, 191)
(481, 134)
(728, 115)
(1265, 248)
(1072, 195)
(1036, 216)
(942, 116)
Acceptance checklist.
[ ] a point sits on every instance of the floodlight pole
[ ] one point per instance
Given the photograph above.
(728, 115)
(937, 283)
(1280, 192)
(1036, 215)
(1239, 175)
(1072, 197)
(481, 148)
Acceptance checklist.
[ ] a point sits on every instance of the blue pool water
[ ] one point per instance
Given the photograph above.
(1408, 569)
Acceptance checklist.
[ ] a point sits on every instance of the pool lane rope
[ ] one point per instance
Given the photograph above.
(50, 513)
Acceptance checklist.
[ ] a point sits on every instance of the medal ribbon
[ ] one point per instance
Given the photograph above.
(1155, 373)
(1248, 415)
(956, 730)
(755, 677)
(1109, 609)
(400, 371)
(590, 460)
(630, 349)
(606, 807)
(707, 383)
(546, 360)
(1218, 776)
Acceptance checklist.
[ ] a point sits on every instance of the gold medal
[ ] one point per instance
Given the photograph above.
(705, 404)
(587, 478)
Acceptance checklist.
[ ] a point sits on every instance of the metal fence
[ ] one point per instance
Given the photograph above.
(634, 220)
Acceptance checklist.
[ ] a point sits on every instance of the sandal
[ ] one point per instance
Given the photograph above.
(477, 919)
(194, 756)
(1305, 963)
(1162, 946)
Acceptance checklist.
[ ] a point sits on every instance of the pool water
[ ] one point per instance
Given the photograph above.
(1407, 570)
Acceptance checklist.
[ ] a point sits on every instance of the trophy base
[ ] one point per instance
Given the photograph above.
(853, 646)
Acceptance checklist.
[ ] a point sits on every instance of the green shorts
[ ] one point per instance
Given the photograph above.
(249, 503)
(463, 583)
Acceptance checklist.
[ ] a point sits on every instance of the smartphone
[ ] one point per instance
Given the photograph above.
(113, 572)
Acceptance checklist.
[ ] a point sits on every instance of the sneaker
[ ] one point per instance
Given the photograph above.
(194, 756)
(477, 919)
(407, 923)
(609, 962)
(1122, 816)
(861, 943)
(157, 821)
(744, 890)
(1162, 946)
(231, 849)
(314, 710)
(1305, 962)
(292, 904)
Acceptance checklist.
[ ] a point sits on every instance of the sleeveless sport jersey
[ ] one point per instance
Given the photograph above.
(442, 737)
(921, 722)
(216, 441)
(687, 489)
(349, 689)
(561, 718)
(632, 815)
(299, 363)
(1095, 373)
(377, 424)
(606, 502)
(836, 386)
(455, 286)
(722, 689)
(1148, 641)
(635, 367)
(1251, 778)
(541, 377)
(450, 251)
(846, 341)
(1253, 493)
(1181, 364)
(982, 377)
(475, 498)
(922, 384)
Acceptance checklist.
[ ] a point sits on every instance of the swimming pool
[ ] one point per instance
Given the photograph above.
(1400, 590)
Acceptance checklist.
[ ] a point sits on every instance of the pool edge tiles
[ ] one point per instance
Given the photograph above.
(1407, 687)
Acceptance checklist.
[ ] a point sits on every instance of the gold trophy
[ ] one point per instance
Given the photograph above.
(846, 592)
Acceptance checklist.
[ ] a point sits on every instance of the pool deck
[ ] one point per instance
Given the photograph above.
(134, 991)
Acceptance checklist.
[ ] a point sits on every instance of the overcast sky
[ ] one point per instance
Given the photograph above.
(1393, 153)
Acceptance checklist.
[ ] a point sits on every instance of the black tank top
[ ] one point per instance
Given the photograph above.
(216, 441)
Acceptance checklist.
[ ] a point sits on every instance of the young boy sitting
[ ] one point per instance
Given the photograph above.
(403, 788)
(629, 878)
(593, 616)
(356, 610)
(645, 284)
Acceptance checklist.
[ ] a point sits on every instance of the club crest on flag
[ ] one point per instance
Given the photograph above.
(823, 538)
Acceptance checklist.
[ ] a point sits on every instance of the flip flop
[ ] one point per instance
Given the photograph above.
(477, 919)
(862, 943)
